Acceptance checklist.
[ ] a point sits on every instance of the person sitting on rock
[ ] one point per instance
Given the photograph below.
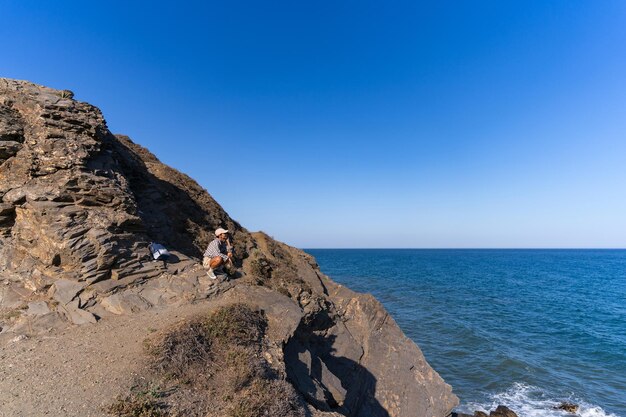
(219, 254)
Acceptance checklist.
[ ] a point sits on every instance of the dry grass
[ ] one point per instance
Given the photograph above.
(11, 314)
(65, 94)
(144, 404)
(214, 366)
(183, 354)
(279, 277)
(236, 324)
(265, 398)
(261, 269)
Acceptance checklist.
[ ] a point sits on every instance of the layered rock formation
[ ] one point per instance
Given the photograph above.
(79, 207)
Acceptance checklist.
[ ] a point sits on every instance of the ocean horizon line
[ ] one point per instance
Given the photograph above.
(478, 248)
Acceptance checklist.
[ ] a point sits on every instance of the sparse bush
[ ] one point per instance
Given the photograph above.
(195, 350)
(236, 324)
(278, 250)
(66, 94)
(266, 398)
(284, 291)
(261, 269)
(214, 366)
(137, 406)
(241, 366)
(183, 353)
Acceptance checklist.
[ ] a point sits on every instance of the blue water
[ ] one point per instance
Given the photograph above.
(525, 328)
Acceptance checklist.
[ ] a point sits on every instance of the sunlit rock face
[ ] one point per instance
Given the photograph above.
(78, 208)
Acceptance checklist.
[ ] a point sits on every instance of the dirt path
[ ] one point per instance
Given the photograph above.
(80, 370)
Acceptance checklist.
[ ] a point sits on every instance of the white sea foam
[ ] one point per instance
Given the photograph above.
(530, 401)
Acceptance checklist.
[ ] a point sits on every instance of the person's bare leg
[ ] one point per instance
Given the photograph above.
(216, 262)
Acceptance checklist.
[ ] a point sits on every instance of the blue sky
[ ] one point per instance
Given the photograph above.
(360, 123)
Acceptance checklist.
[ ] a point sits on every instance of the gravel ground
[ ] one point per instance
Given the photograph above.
(78, 371)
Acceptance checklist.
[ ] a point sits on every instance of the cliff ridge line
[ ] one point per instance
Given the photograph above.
(78, 207)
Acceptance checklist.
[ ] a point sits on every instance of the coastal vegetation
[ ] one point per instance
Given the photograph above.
(211, 365)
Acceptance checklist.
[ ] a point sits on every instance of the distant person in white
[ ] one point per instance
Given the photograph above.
(219, 254)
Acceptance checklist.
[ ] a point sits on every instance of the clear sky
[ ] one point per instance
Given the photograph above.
(361, 123)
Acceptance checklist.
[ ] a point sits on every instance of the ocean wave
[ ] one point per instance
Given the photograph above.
(529, 401)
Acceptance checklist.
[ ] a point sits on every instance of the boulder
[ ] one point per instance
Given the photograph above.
(66, 290)
(13, 295)
(502, 411)
(78, 316)
(125, 303)
(38, 308)
(566, 406)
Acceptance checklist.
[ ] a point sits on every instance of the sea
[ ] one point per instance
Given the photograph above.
(528, 329)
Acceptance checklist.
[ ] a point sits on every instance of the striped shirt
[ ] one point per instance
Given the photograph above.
(217, 248)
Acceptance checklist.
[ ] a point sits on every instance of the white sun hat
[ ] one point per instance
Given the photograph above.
(220, 231)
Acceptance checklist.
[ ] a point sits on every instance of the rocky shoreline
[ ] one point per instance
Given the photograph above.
(79, 207)
(504, 411)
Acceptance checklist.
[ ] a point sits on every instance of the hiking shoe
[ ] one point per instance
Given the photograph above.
(211, 274)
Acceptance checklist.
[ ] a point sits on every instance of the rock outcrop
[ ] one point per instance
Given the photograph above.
(78, 208)
(500, 411)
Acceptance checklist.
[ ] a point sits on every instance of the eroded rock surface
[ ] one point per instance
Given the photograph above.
(78, 207)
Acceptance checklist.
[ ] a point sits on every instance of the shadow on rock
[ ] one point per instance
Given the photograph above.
(328, 381)
(172, 259)
(174, 209)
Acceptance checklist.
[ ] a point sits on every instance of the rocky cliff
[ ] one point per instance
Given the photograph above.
(78, 209)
